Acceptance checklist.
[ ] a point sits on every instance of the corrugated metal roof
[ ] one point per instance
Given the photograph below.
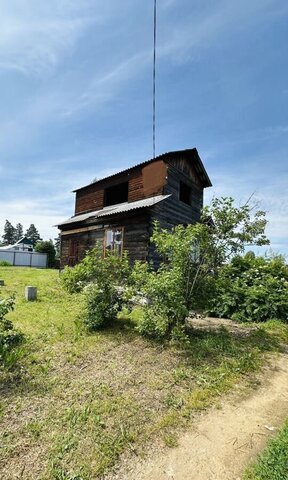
(115, 209)
(78, 218)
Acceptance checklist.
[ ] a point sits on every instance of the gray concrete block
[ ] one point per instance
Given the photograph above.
(31, 293)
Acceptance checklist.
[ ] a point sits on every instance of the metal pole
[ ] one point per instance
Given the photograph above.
(154, 79)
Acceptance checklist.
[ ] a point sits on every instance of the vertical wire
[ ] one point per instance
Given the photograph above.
(154, 80)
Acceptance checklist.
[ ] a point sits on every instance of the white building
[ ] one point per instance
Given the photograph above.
(22, 254)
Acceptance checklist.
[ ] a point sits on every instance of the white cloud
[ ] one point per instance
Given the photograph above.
(34, 37)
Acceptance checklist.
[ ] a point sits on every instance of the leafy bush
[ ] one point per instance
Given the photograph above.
(100, 279)
(4, 263)
(47, 247)
(252, 289)
(102, 305)
(9, 337)
(165, 308)
(96, 269)
(189, 260)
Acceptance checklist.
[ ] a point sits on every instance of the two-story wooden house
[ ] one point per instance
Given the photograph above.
(119, 210)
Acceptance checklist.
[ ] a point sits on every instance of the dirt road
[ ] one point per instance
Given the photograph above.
(221, 443)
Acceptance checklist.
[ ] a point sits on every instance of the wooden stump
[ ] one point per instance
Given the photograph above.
(30, 293)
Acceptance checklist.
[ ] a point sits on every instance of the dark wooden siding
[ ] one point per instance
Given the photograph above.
(143, 182)
(136, 237)
(83, 241)
(173, 211)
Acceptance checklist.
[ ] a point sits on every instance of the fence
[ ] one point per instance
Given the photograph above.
(24, 259)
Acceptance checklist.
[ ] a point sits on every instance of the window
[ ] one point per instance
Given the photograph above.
(116, 194)
(185, 193)
(114, 241)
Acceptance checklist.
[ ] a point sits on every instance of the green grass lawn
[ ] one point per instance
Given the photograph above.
(272, 464)
(75, 402)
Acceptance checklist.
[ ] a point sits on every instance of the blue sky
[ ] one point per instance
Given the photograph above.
(76, 86)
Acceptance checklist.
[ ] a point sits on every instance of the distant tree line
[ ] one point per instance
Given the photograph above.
(13, 234)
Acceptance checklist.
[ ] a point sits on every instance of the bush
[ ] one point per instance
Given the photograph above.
(166, 307)
(9, 337)
(4, 263)
(102, 305)
(190, 257)
(252, 289)
(96, 269)
(100, 279)
(47, 247)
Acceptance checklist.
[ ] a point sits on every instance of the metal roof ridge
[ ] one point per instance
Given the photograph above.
(190, 150)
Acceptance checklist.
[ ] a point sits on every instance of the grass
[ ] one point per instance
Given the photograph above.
(272, 464)
(76, 402)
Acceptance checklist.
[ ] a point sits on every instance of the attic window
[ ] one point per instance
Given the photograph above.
(185, 193)
(116, 194)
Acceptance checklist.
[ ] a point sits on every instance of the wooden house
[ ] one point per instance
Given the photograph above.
(119, 210)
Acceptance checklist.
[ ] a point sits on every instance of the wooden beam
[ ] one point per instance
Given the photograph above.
(82, 230)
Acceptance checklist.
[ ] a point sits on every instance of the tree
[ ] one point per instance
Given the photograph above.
(9, 236)
(47, 247)
(193, 256)
(18, 231)
(33, 234)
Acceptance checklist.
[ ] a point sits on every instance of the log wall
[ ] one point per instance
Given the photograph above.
(135, 239)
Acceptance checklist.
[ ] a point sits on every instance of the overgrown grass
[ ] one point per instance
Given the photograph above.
(272, 464)
(77, 402)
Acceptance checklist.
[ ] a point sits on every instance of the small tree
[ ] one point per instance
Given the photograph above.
(193, 255)
(9, 236)
(33, 234)
(47, 247)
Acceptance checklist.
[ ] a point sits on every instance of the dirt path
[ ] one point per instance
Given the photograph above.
(221, 443)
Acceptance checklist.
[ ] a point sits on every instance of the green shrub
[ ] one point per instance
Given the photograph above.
(102, 305)
(4, 263)
(190, 257)
(9, 337)
(252, 289)
(96, 269)
(47, 247)
(100, 279)
(164, 291)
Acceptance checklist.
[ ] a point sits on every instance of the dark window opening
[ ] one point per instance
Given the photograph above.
(185, 193)
(116, 194)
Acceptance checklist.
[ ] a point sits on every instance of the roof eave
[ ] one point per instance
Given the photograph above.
(205, 180)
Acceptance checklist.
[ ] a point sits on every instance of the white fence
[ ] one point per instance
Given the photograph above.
(24, 259)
